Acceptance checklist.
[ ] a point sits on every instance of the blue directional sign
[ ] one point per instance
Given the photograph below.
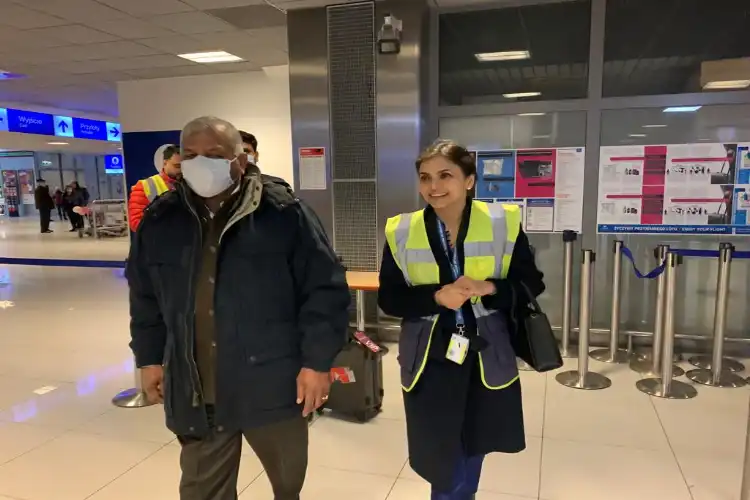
(113, 132)
(64, 126)
(90, 129)
(113, 164)
(29, 122)
(3, 120)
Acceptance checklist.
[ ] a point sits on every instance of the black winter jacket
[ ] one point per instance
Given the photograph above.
(281, 304)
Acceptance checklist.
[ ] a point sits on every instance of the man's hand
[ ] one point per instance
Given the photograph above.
(476, 288)
(312, 389)
(452, 296)
(152, 379)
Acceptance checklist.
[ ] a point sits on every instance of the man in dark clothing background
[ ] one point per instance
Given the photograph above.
(238, 308)
(44, 203)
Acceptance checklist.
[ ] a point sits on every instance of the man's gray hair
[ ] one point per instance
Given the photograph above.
(221, 128)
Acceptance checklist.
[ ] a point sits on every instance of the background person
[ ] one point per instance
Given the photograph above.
(58, 197)
(461, 265)
(72, 199)
(44, 204)
(252, 266)
(147, 190)
(250, 146)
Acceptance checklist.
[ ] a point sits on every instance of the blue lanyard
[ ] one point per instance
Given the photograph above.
(455, 266)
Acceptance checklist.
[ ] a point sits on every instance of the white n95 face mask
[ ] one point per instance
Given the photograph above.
(207, 176)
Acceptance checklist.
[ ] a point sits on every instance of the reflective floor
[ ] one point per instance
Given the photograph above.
(21, 238)
(63, 355)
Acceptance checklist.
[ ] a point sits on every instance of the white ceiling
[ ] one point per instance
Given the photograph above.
(73, 51)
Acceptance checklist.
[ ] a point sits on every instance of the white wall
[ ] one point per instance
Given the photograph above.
(255, 101)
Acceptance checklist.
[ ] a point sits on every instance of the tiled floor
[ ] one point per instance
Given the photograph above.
(21, 238)
(63, 355)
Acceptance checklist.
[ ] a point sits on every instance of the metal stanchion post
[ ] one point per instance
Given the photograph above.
(582, 378)
(717, 376)
(359, 303)
(132, 398)
(614, 354)
(569, 238)
(664, 386)
(650, 364)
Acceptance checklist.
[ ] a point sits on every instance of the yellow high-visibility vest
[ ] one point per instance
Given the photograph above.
(154, 186)
(488, 250)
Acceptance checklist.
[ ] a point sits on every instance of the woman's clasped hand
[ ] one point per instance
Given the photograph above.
(456, 294)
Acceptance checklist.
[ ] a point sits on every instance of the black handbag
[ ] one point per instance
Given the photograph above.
(534, 341)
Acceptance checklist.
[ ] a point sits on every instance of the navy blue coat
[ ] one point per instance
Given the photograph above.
(281, 302)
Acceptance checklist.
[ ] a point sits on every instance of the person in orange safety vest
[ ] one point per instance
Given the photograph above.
(147, 190)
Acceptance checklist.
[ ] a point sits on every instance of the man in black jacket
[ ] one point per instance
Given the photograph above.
(238, 308)
(44, 203)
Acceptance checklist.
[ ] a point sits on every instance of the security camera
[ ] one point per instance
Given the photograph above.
(389, 37)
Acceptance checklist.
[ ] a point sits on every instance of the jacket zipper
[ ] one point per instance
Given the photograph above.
(189, 346)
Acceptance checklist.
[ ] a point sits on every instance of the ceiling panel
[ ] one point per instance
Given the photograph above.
(75, 11)
(160, 61)
(74, 34)
(222, 4)
(189, 23)
(144, 8)
(150, 73)
(251, 17)
(23, 18)
(132, 28)
(124, 48)
(173, 44)
(12, 39)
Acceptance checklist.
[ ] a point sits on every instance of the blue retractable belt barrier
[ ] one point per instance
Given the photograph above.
(107, 264)
(649, 275)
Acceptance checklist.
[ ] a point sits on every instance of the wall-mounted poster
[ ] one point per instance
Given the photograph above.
(26, 186)
(674, 189)
(546, 183)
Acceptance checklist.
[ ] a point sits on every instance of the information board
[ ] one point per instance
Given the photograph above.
(674, 189)
(31, 122)
(546, 183)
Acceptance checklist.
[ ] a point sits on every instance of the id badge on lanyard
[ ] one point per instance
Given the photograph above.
(458, 347)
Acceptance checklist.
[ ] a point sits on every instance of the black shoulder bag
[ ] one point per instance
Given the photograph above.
(534, 341)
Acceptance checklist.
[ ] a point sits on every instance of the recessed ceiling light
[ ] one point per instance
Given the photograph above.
(218, 56)
(58, 143)
(682, 109)
(655, 125)
(507, 55)
(516, 95)
(540, 136)
(531, 114)
(727, 84)
(636, 135)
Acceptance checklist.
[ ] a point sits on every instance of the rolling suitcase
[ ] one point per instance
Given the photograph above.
(357, 379)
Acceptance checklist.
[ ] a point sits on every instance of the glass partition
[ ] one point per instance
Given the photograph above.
(697, 276)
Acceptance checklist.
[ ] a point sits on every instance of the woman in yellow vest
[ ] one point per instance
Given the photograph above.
(456, 272)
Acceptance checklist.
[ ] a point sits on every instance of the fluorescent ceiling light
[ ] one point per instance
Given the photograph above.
(210, 57)
(682, 109)
(655, 125)
(540, 136)
(727, 84)
(516, 95)
(508, 55)
(531, 114)
(636, 135)
(58, 143)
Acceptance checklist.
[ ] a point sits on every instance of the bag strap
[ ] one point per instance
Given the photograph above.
(531, 299)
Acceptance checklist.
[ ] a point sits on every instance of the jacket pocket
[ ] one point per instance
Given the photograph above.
(408, 344)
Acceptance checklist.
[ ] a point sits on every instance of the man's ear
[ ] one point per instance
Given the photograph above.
(242, 161)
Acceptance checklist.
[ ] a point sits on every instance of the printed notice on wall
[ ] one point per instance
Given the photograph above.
(546, 183)
(674, 189)
(312, 169)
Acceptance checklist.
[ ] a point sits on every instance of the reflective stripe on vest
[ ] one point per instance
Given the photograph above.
(154, 186)
(488, 250)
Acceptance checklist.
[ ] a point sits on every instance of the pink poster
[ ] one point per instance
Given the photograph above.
(535, 173)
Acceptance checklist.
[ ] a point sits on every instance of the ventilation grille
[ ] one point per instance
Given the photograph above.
(354, 223)
(351, 70)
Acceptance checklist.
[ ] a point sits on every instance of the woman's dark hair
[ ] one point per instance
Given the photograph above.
(453, 152)
(170, 151)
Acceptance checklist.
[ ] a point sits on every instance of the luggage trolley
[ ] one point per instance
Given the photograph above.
(105, 218)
